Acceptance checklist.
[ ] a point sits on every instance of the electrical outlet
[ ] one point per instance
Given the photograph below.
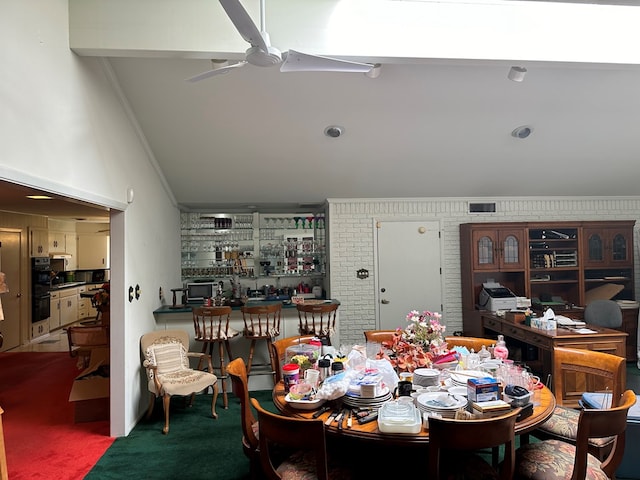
(130, 294)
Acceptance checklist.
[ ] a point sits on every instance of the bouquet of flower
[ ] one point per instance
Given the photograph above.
(418, 344)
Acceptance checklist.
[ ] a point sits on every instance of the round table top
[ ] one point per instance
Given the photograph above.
(544, 405)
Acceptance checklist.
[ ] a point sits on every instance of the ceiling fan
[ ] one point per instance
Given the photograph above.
(262, 54)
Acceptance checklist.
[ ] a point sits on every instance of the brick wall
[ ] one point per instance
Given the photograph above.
(351, 243)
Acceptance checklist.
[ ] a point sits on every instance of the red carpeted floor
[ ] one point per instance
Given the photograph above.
(41, 438)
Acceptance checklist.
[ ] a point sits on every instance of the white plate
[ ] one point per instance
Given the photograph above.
(461, 377)
(461, 391)
(304, 404)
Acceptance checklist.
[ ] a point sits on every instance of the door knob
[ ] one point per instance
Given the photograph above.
(384, 301)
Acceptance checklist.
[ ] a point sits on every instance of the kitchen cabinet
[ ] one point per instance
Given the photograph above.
(54, 319)
(93, 252)
(38, 242)
(56, 242)
(64, 307)
(70, 241)
(39, 329)
(565, 260)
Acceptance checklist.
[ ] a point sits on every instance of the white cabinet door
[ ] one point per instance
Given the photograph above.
(38, 242)
(71, 264)
(56, 242)
(54, 321)
(93, 252)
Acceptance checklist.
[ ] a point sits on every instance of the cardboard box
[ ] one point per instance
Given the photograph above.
(90, 389)
(483, 389)
(515, 316)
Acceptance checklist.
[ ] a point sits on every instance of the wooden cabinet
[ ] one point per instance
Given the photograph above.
(608, 246)
(56, 242)
(630, 326)
(554, 264)
(39, 328)
(38, 242)
(93, 252)
(70, 241)
(499, 248)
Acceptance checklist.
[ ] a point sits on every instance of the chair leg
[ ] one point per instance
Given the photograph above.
(152, 402)
(250, 359)
(272, 360)
(214, 399)
(223, 375)
(166, 401)
(228, 345)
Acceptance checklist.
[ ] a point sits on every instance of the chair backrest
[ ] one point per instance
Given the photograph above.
(379, 336)
(237, 370)
(279, 348)
(296, 433)
(317, 319)
(470, 342)
(166, 349)
(262, 321)
(576, 371)
(600, 423)
(604, 313)
(80, 337)
(211, 323)
(470, 435)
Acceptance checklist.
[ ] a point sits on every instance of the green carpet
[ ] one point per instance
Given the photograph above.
(197, 446)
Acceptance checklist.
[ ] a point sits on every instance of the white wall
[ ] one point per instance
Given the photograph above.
(351, 233)
(65, 129)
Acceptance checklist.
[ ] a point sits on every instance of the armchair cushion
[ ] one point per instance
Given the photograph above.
(167, 357)
(553, 459)
(563, 425)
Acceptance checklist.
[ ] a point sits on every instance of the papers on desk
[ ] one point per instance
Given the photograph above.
(584, 330)
(563, 321)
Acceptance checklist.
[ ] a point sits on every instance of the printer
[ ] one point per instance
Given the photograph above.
(494, 297)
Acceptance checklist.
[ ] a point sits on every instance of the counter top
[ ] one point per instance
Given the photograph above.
(62, 286)
(167, 309)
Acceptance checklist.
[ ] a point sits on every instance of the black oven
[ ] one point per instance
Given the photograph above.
(40, 289)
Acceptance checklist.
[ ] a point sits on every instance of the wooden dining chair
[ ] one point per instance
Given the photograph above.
(555, 459)
(237, 371)
(317, 319)
(306, 439)
(453, 447)
(279, 349)
(83, 338)
(212, 329)
(379, 336)
(261, 323)
(576, 371)
(469, 342)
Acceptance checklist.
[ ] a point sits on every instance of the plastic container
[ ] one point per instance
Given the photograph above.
(290, 375)
(399, 417)
(303, 354)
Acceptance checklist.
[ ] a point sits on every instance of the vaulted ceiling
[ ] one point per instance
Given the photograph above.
(434, 124)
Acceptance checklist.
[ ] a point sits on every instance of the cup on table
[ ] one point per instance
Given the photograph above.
(312, 377)
(403, 389)
(406, 376)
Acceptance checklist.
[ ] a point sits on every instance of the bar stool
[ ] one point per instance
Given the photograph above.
(261, 322)
(317, 319)
(211, 326)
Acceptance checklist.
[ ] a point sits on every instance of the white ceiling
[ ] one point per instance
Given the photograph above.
(423, 128)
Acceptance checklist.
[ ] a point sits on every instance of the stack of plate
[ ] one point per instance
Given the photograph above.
(459, 378)
(354, 400)
(443, 404)
(426, 377)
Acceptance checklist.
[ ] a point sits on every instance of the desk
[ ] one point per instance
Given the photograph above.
(605, 340)
(369, 432)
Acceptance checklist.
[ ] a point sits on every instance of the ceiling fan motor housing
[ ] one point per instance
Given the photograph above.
(258, 57)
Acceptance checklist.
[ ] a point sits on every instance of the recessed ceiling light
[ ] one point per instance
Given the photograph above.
(522, 132)
(333, 131)
(39, 197)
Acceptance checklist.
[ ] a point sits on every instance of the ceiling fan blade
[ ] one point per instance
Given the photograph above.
(215, 71)
(244, 24)
(303, 62)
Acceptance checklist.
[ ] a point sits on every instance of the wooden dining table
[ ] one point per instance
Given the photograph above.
(543, 400)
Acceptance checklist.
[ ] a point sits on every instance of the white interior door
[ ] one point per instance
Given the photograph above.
(409, 270)
(10, 265)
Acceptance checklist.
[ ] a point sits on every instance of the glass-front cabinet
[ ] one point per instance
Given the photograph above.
(252, 245)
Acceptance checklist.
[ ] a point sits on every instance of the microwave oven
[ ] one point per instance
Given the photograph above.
(198, 291)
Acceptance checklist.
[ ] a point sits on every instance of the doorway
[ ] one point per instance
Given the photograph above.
(10, 241)
(409, 273)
